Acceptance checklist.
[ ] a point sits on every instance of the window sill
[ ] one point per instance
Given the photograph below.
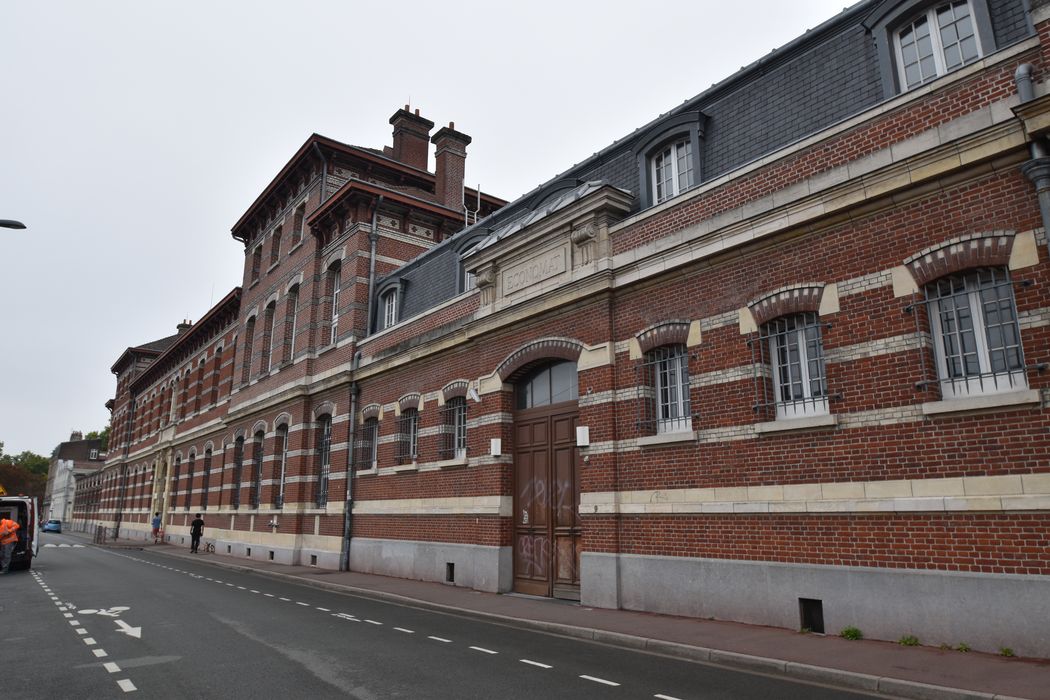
(666, 438)
(828, 420)
(295, 247)
(272, 267)
(986, 402)
(399, 469)
(254, 283)
(372, 471)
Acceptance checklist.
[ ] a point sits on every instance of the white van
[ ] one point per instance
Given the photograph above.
(23, 510)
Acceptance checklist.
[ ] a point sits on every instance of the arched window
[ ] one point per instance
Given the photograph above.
(666, 371)
(246, 352)
(175, 483)
(796, 358)
(267, 338)
(368, 444)
(298, 224)
(291, 314)
(977, 341)
(408, 436)
(238, 472)
(205, 478)
(275, 246)
(256, 263)
(189, 481)
(324, 459)
(550, 384)
(255, 491)
(280, 451)
(389, 306)
(455, 428)
(335, 284)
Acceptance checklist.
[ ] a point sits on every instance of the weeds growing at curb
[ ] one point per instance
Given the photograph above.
(1006, 651)
(963, 647)
(908, 640)
(851, 633)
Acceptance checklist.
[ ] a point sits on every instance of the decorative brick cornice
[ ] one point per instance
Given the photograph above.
(372, 410)
(546, 348)
(673, 332)
(987, 249)
(455, 389)
(408, 401)
(786, 301)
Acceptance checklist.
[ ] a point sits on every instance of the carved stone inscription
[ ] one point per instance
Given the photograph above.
(536, 270)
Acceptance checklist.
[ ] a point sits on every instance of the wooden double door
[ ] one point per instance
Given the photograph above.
(546, 502)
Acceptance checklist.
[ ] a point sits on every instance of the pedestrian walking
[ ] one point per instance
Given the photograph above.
(8, 540)
(196, 532)
(156, 527)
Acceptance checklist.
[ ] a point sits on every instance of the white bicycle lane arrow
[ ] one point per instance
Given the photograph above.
(127, 629)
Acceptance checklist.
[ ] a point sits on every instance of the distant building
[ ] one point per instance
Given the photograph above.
(70, 461)
(779, 356)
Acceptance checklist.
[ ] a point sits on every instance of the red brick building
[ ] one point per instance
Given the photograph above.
(779, 356)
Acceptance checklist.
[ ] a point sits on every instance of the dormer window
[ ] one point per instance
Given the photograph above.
(390, 308)
(940, 40)
(672, 170)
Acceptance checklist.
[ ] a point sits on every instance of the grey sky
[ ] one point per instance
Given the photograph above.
(134, 134)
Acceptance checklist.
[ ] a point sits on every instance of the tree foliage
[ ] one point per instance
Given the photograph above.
(18, 481)
(102, 435)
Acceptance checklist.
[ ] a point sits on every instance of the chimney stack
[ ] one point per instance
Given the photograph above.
(183, 327)
(76, 435)
(451, 158)
(411, 138)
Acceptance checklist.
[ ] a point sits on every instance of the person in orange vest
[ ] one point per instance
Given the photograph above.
(8, 540)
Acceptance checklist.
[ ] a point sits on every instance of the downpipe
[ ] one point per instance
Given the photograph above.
(348, 506)
(1038, 168)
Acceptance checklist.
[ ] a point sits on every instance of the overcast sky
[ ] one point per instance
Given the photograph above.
(134, 134)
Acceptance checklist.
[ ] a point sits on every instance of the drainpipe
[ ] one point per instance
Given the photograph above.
(373, 239)
(1038, 168)
(344, 559)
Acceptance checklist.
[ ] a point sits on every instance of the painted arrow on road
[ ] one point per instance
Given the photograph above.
(127, 629)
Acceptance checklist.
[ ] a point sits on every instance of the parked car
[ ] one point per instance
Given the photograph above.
(53, 526)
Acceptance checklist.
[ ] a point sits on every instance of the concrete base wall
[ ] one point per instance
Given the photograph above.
(986, 611)
(477, 567)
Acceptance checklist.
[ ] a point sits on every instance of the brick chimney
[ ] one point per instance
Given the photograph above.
(451, 158)
(181, 328)
(411, 138)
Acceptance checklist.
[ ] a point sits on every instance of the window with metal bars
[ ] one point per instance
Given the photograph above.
(280, 451)
(790, 379)
(368, 444)
(976, 337)
(324, 457)
(665, 390)
(189, 482)
(255, 491)
(454, 428)
(238, 472)
(408, 436)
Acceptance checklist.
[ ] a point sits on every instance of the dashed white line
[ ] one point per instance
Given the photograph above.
(126, 685)
(254, 591)
(599, 680)
(67, 615)
(373, 622)
(81, 630)
(440, 639)
(534, 663)
(111, 667)
(75, 623)
(324, 609)
(402, 629)
(665, 697)
(241, 588)
(90, 641)
(230, 585)
(100, 653)
(268, 595)
(299, 602)
(287, 600)
(483, 650)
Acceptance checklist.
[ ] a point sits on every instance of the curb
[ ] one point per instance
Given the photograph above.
(894, 687)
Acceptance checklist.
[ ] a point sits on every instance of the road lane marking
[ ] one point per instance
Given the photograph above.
(241, 588)
(67, 615)
(254, 591)
(439, 639)
(324, 609)
(402, 629)
(534, 663)
(100, 653)
(299, 602)
(126, 685)
(287, 600)
(665, 697)
(75, 623)
(230, 585)
(599, 680)
(111, 667)
(268, 595)
(373, 622)
(81, 630)
(90, 641)
(346, 616)
(484, 650)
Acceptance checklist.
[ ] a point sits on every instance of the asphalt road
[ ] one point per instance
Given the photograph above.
(100, 623)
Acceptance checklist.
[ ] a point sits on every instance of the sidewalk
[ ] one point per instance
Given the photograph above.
(883, 667)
